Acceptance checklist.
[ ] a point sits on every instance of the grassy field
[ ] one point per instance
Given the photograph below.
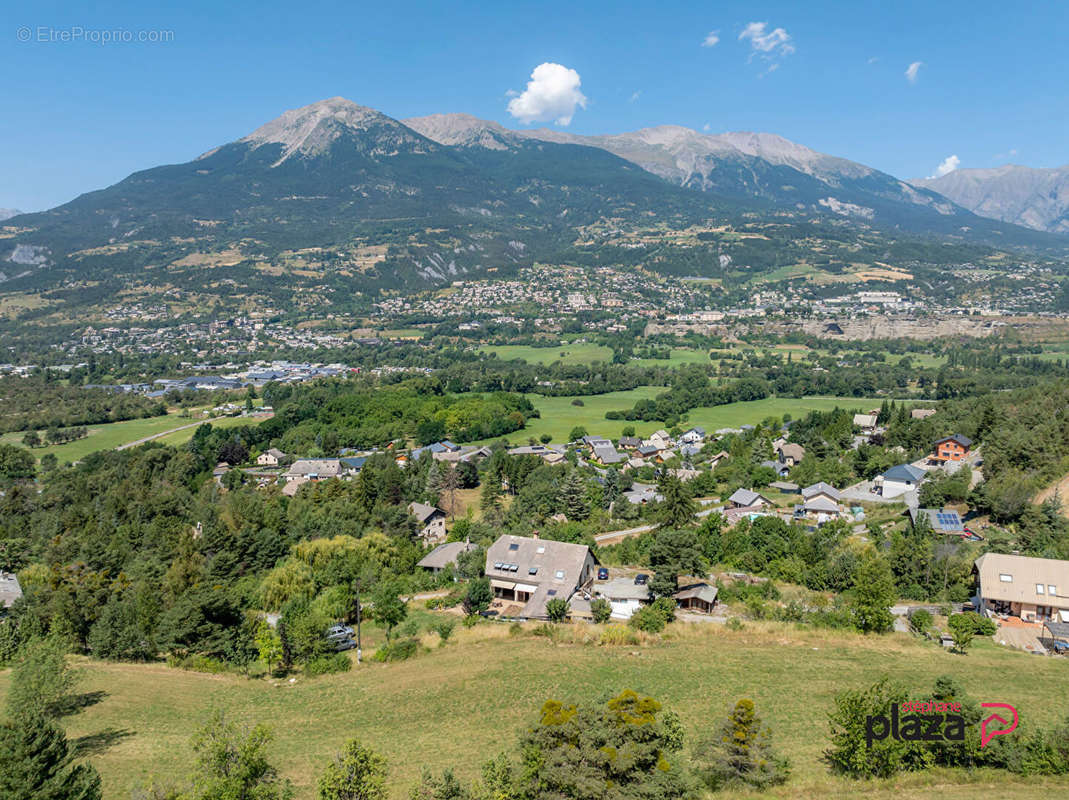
(579, 353)
(112, 434)
(458, 705)
(679, 356)
(559, 416)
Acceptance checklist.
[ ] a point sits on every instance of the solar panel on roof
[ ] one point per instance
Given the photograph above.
(551, 592)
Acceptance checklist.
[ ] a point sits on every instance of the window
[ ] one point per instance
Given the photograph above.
(1052, 589)
(514, 546)
(532, 571)
(541, 549)
(1005, 578)
(560, 574)
(1039, 588)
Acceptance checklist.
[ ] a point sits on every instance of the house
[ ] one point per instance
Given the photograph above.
(689, 451)
(660, 439)
(641, 493)
(628, 442)
(790, 454)
(606, 454)
(444, 555)
(10, 591)
(270, 458)
(314, 469)
(548, 453)
(444, 446)
(898, 480)
(623, 595)
(693, 436)
(431, 520)
(821, 500)
(779, 468)
(1033, 589)
(946, 521)
(697, 597)
(351, 465)
(951, 448)
(921, 413)
(867, 422)
(291, 487)
(469, 453)
(716, 460)
(747, 498)
(527, 572)
(220, 471)
(785, 486)
(646, 451)
(595, 441)
(821, 489)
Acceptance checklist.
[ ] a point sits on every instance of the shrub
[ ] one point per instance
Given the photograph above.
(515, 629)
(557, 609)
(397, 650)
(735, 624)
(741, 754)
(479, 596)
(601, 610)
(647, 619)
(920, 621)
(444, 629)
(325, 665)
(618, 635)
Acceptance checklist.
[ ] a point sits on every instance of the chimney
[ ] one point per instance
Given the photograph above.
(534, 534)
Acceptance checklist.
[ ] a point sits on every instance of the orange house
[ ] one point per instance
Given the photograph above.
(952, 448)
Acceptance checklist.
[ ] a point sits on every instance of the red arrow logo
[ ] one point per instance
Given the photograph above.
(986, 735)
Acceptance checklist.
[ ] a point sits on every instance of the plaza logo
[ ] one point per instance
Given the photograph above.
(934, 721)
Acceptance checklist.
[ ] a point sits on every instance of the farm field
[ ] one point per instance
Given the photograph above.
(458, 705)
(679, 356)
(110, 435)
(559, 416)
(578, 353)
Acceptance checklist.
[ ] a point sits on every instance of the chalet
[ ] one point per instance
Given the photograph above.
(1033, 589)
(695, 435)
(747, 498)
(951, 448)
(468, 453)
(431, 520)
(270, 458)
(697, 597)
(527, 572)
(778, 467)
(790, 454)
(313, 469)
(351, 465)
(624, 595)
(947, 520)
(548, 453)
(646, 451)
(660, 439)
(444, 555)
(898, 480)
(10, 591)
(821, 500)
(716, 460)
(606, 454)
(628, 442)
(867, 422)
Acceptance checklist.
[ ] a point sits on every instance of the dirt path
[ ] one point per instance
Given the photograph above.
(158, 435)
(1061, 488)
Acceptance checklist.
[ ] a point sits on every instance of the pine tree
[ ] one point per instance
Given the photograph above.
(35, 763)
(490, 497)
(573, 496)
(356, 773)
(741, 753)
(677, 508)
(873, 595)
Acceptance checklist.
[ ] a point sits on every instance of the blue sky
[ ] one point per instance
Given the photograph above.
(78, 115)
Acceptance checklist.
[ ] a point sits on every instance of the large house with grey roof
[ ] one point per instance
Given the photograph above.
(526, 572)
(1033, 589)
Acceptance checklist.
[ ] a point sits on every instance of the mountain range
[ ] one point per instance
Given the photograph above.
(344, 198)
(1034, 198)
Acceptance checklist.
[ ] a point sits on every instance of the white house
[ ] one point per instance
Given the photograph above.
(270, 458)
(624, 595)
(431, 520)
(899, 480)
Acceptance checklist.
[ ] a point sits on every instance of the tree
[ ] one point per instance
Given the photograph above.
(479, 596)
(16, 464)
(231, 762)
(577, 433)
(32, 439)
(268, 644)
(621, 750)
(962, 631)
(872, 596)
(601, 610)
(741, 753)
(677, 508)
(41, 681)
(490, 497)
(557, 609)
(35, 763)
(446, 787)
(920, 621)
(573, 496)
(611, 488)
(674, 553)
(388, 609)
(356, 773)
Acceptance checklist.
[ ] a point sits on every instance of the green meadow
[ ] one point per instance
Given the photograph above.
(458, 705)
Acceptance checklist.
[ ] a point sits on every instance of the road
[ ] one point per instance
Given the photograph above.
(615, 537)
(175, 430)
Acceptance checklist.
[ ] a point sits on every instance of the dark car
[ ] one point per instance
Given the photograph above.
(642, 579)
(603, 574)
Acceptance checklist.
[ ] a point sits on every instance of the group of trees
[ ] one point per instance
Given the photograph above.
(41, 402)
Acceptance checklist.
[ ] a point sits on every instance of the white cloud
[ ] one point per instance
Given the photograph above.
(874, 59)
(948, 165)
(711, 39)
(767, 43)
(912, 70)
(551, 94)
(706, 127)
(634, 96)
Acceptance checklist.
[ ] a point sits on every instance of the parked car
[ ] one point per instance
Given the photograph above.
(1059, 647)
(603, 574)
(338, 632)
(642, 579)
(341, 645)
